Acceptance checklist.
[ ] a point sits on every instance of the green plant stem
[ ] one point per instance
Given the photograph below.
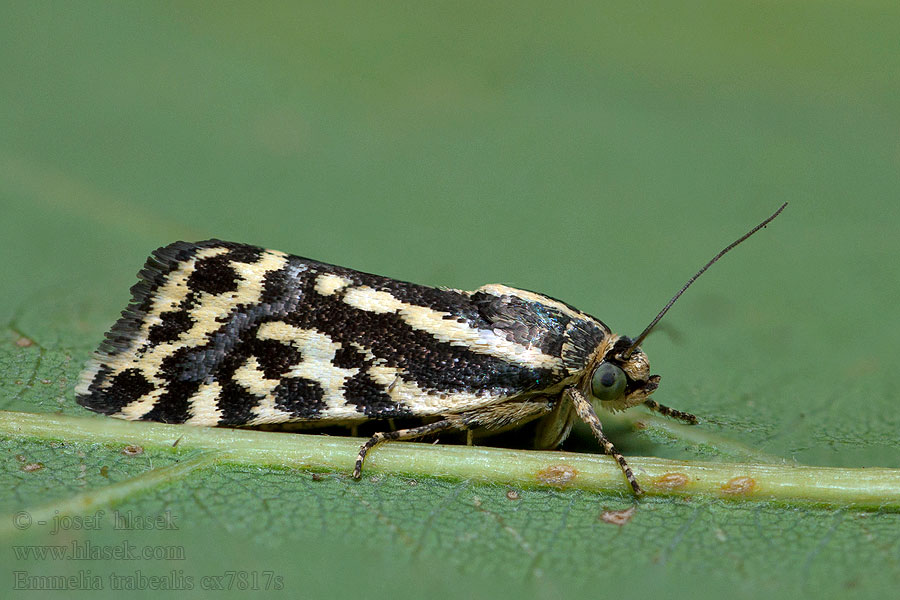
(866, 488)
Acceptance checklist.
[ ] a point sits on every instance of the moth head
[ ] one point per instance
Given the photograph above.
(618, 381)
(620, 378)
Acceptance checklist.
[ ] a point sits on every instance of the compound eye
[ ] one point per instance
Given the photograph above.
(608, 382)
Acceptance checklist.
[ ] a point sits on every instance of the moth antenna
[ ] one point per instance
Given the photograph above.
(666, 308)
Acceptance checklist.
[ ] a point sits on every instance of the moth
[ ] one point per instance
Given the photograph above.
(226, 334)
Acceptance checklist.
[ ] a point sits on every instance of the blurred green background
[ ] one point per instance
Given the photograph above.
(595, 152)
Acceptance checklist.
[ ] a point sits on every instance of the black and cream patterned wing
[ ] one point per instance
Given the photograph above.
(219, 333)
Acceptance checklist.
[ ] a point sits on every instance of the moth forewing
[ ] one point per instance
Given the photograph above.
(225, 334)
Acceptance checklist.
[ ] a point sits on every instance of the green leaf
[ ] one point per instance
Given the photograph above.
(598, 152)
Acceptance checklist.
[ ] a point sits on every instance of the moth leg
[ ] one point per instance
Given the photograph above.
(585, 410)
(502, 416)
(495, 417)
(401, 434)
(555, 427)
(671, 412)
